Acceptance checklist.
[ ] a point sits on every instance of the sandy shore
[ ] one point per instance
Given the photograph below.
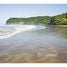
(10, 30)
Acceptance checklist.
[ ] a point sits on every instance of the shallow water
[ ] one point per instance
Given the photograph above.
(37, 46)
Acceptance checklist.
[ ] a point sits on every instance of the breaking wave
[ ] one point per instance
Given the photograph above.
(7, 31)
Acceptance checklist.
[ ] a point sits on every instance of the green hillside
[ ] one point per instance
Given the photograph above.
(54, 20)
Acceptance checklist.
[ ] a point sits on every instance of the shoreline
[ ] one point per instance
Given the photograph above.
(17, 29)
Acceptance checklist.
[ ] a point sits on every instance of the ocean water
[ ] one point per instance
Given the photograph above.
(43, 45)
(7, 31)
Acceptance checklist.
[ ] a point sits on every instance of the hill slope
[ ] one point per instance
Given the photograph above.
(55, 20)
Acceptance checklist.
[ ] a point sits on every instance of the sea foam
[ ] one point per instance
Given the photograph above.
(7, 31)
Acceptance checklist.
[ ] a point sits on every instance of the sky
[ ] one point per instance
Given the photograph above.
(29, 10)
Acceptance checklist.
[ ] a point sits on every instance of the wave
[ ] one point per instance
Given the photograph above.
(7, 31)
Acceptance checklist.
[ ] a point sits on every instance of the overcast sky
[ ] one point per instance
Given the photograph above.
(30, 10)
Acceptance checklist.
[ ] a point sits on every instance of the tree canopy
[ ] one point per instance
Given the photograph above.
(52, 20)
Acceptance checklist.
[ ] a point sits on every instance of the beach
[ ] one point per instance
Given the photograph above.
(34, 45)
(6, 32)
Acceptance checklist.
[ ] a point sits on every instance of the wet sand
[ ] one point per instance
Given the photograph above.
(32, 56)
(37, 46)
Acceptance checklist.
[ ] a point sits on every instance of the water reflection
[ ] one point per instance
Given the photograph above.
(62, 32)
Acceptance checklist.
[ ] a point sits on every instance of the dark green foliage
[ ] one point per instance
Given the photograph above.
(55, 20)
(52, 22)
(60, 19)
(30, 20)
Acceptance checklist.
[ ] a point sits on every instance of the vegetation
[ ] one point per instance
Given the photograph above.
(55, 20)
(59, 19)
